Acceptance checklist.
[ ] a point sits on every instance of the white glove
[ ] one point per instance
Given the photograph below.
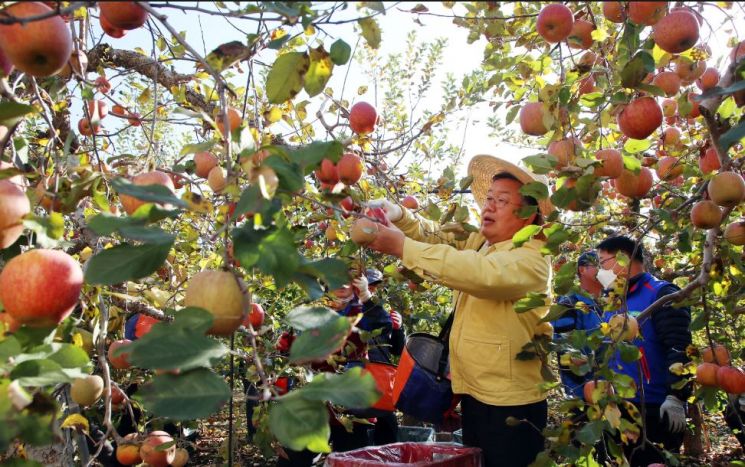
(676, 413)
(363, 292)
(392, 210)
(396, 320)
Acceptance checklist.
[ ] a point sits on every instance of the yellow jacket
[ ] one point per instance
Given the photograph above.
(487, 334)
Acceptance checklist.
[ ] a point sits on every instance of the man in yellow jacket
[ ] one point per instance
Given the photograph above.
(487, 274)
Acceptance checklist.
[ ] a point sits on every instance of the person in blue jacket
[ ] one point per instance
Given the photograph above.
(664, 337)
(585, 317)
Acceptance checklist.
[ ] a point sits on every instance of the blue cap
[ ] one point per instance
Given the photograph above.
(373, 276)
(588, 258)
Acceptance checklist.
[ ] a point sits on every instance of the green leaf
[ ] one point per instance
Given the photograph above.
(319, 71)
(632, 164)
(43, 372)
(432, 212)
(273, 251)
(126, 262)
(718, 91)
(555, 312)
(311, 155)
(49, 229)
(351, 389)
(564, 279)
(300, 423)
(340, 52)
(315, 344)
(636, 69)
(532, 301)
(540, 164)
(732, 136)
(590, 433)
(535, 190)
(186, 396)
(198, 147)
(144, 234)
(592, 99)
(289, 173)
(10, 347)
(253, 201)
(525, 234)
(629, 352)
(11, 112)
(148, 193)
(285, 79)
(334, 272)
(511, 114)
(370, 31)
(651, 89)
(635, 146)
(304, 318)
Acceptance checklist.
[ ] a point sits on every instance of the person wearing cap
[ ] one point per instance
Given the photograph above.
(664, 337)
(583, 314)
(488, 274)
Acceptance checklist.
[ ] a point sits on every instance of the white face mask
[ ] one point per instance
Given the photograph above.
(606, 277)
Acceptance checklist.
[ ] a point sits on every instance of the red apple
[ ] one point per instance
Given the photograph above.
(531, 119)
(410, 202)
(362, 118)
(327, 173)
(640, 118)
(555, 22)
(152, 455)
(647, 13)
(706, 374)
(708, 79)
(676, 32)
(614, 12)
(709, 162)
(706, 215)
(40, 288)
(731, 380)
(123, 15)
(580, 36)
(156, 177)
(219, 293)
(634, 186)
(727, 189)
(121, 361)
(668, 81)
(565, 150)
(111, 30)
(39, 48)
(612, 163)
(255, 317)
(669, 168)
(350, 168)
(14, 206)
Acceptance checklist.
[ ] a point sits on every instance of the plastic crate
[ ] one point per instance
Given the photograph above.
(407, 455)
(458, 436)
(416, 434)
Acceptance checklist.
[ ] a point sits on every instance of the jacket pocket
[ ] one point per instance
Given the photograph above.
(485, 363)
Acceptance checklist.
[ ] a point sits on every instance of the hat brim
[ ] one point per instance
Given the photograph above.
(484, 167)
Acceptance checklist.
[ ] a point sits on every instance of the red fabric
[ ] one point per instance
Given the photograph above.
(405, 367)
(384, 375)
(144, 323)
(408, 454)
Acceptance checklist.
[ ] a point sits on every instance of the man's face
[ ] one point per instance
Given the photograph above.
(607, 260)
(499, 220)
(342, 296)
(588, 274)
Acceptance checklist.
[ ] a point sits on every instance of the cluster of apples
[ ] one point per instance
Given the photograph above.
(136, 449)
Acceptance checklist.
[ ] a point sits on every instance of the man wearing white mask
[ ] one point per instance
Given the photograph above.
(663, 339)
(488, 274)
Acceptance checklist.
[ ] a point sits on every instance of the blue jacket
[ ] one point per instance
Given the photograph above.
(663, 340)
(572, 320)
(374, 317)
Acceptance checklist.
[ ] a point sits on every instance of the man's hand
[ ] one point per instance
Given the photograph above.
(676, 413)
(389, 240)
(396, 320)
(363, 292)
(393, 211)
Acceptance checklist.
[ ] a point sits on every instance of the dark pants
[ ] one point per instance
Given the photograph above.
(386, 429)
(302, 458)
(341, 441)
(503, 445)
(736, 422)
(657, 432)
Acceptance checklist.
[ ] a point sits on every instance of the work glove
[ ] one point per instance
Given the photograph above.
(363, 293)
(396, 320)
(676, 413)
(392, 210)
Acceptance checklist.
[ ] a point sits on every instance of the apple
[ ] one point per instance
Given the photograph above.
(102, 84)
(123, 15)
(720, 352)
(350, 168)
(738, 51)
(634, 185)
(623, 327)
(555, 22)
(580, 36)
(727, 189)
(587, 61)
(40, 288)
(267, 177)
(152, 455)
(603, 388)
(204, 162)
(669, 108)
(364, 231)
(6, 67)
(706, 374)
(532, 115)
(119, 111)
(133, 118)
(77, 64)
(327, 173)
(709, 79)
(14, 206)
(735, 233)
(234, 120)
(330, 233)
(39, 48)
(670, 137)
(109, 29)
(612, 163)
(731, 380)
(614, 12)
(181, 458)
(128, 452)
(117, 395)
(647, 13)
(10, 325)
(362, 118)
(255, 317)
(709, 162)
(218, 292)
(410, 202)
(689, 70)
(668, 81)
(156, 177)
(706, 214)
(120, 361)
(586, 85)
(565, 150)
(695, 109)
(86, 391)
(85, 128)
(677, 31)
(640, 118)
(97, 110)
(669, 168)
(216, 179)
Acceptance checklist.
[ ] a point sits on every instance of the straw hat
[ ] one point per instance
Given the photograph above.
(483, 167)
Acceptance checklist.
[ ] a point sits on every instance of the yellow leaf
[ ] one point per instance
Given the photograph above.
(613, 415)
(76, 421)
(144, 97)
(599, 34)
(361, 90)
(273, 115)
(310, 30)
